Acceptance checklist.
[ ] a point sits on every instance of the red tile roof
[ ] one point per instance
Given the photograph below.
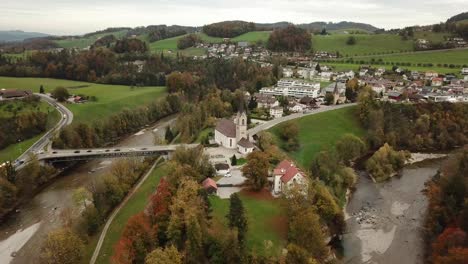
(282, 167)
(208, 182)
(290, 173)
(287, 170)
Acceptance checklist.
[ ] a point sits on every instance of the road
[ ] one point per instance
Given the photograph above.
(253, 131)
(66, 118)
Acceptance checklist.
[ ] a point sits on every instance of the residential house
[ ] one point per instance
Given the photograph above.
(464, 71)
(222, 168)
(276, 112)
(285, 175)
(437, 81)
(429, 75)
(288, 72)
(210, 186)
(265, 100)
(7, 94)
(296, 107)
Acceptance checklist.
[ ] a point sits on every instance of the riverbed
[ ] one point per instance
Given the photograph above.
(385, 220)
(22, 233)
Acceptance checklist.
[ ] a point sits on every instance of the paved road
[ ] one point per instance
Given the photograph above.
(253, 131)
(45, 141)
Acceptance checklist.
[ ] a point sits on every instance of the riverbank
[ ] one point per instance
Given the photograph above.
(384, 220)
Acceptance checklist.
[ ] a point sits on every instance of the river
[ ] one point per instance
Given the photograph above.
(385, 220)
(22, 233)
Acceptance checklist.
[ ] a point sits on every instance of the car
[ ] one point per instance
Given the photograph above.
(54, 152)
(107, 150)
(228, 175)
(76, 151)
(143, 148)
(116, 149)
(64, 116)
(89, 151)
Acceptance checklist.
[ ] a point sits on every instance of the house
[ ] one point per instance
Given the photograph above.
(244, 146)
(285, 175)
(228, 133)
(437, 81)
(210, 186)
(395, 95)
(265, 100)
(326, 76)
(308, 101)
(429, 75)
(7, 94)
(222, 168)
(296, 108)
(464, 71)
(338, 90)
(363, 72)
(276, 112)
(288, 72)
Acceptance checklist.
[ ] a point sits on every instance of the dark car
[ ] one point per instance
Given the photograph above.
(89, 151)
(117, 150)
(54, 152)
(107, 150)
(76, 151)
(144, 149)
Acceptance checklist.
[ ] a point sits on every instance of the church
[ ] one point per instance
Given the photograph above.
(232, 134)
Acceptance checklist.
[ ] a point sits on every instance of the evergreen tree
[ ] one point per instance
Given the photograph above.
(234, 160)
(41, 89)
(236, 217)
(169, 136)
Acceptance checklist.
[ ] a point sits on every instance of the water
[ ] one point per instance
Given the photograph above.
(385, 221)
(22, 233)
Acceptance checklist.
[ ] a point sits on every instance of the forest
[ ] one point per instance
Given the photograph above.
(291, 38)
(228, 29)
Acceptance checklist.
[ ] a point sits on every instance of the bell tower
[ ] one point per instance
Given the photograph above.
(241, 125)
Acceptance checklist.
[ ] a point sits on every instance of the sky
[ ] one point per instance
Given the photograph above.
(67, 17)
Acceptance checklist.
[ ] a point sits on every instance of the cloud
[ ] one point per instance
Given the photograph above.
(73, 17)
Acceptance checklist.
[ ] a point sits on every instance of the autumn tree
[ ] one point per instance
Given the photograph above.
(60, 93)
(256, 170)
(62, 246)
(158, 210)
(385, 162)
(289, 132)
(349, 147)
(291, 38)
(168, 255)
(237, 218)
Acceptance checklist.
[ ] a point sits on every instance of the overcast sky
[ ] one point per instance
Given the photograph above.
(82, 16)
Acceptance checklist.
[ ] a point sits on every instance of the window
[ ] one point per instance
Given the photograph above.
(243, 121)
(230, 142)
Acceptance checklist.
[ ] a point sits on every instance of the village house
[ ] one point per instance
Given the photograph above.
(285, 175)
(296, 107)
(288, 72)
(276, 112)
(210, 186)
(229, 133)
(8, 94)
(437, 81)
(464, 71)
(265, 101)
(429, 75)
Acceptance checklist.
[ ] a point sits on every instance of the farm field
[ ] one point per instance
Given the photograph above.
(12, 152)
(135, 205)
(265, 221)
(321, 131)
(110, 98)
(83, 42)
(365, 44)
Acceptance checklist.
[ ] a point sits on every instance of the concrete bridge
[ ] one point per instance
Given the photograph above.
(105, 153)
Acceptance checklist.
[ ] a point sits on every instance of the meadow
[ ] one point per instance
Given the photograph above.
(83, 42)
(110, 98)
(320, 132)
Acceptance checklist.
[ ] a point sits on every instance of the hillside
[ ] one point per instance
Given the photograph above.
(18, 35)
(317, 26)
(459, 17)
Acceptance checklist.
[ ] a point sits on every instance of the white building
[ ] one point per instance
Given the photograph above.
(464, 71)
(297, 108)
(285, 175)
(325, 76)
(293, 88)
(229, 133)
(288, 72)
(276, 112)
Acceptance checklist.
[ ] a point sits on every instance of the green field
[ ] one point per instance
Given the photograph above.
(432, 36)
(135, 205)
(456, 56)
(263, 216)
(365, 44)
(355, 67)
(83, 42)
(320, 132)
(12, 152)
(110, 98)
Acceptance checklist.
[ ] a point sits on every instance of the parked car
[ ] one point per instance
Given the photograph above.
(76, 151)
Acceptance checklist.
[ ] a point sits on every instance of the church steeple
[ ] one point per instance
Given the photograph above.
(241, 124)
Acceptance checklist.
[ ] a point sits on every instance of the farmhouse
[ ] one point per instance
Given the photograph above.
(285, 175)
(229, 133)
(6, 94)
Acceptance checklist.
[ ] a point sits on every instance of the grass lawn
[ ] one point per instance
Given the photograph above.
(321, 131)
(83, 42)
(135, 205)
(265, 222)
(203, 134)
(457, 57)
(365, 44)
(12, 152)
(110, 98)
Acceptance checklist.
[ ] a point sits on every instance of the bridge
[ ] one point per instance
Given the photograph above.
(105, 153)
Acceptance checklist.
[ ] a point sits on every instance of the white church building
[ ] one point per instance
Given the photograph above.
(232, 134)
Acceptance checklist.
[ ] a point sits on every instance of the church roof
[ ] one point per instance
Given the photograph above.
(245, 143)
(226, 127)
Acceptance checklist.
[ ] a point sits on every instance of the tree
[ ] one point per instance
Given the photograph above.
(60, 93)
(62, 246)
(349, 147)
(385, 162)
(236, 217)
(351, 40)
(168, 255)
(324, 32)
(188, 41)
(302, 228)
(233, 160)
(41, 89)
(298, 255)
(290, 133)
(168, 136)
(329, 99)
(291, 38)
(256, 170)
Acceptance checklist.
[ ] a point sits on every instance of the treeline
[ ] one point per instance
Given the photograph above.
(104, 132)
(188, 41)
(16, 185)
(96, 201)
(159, 32)
(291, 39)
(130, 45)
(19, 126)
(228, 29)
(414, 127)
(446, 224)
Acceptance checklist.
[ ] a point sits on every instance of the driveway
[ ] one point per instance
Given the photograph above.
(236, 179)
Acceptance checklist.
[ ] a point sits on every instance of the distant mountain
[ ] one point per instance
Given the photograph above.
(459, 17)
(18, 35)
(317, 26)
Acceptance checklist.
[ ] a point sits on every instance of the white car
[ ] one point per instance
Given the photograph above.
(228, 175)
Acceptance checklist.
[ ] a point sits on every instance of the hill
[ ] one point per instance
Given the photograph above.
(317, 26)
(457, 18)
(18, 35)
